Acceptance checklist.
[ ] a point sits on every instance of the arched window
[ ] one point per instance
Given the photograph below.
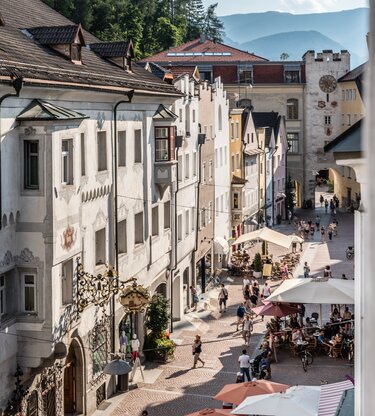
(292, 109)
(220, 117)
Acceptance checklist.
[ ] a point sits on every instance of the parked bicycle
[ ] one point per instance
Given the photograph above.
(213, 280)
(306, 357)
(349, 252)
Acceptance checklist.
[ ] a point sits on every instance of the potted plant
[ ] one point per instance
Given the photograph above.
(257, 266)
(158, 346)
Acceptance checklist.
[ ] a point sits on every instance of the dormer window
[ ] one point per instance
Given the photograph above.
(67, 40)
(120, 53)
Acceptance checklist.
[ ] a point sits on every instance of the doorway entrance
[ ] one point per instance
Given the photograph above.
(73, 381)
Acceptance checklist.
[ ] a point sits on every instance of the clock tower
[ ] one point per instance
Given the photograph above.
(322, 112)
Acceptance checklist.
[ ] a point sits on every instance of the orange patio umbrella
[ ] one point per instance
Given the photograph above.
(211, 412)
(238, 392)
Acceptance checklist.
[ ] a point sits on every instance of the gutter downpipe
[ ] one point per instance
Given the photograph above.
(17, 84)
(115, 200)
(201, 141)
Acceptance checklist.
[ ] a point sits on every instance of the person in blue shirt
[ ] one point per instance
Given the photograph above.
(240, 314)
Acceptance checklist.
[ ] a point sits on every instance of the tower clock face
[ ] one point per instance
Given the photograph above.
(327, 83)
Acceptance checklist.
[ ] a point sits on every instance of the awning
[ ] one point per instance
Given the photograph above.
(330, 397)
(221, 246)
(346, 406)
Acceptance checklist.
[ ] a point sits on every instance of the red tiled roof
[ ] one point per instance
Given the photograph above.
(197, 51)
(180, 70)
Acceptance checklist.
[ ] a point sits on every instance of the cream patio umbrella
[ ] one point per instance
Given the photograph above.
(265, 234)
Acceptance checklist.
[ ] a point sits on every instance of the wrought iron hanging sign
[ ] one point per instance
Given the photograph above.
(97, 290)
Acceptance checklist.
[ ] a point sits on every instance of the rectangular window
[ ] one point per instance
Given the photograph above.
(122, 237)
(180, 114)
(193, 116)
(138, 232)
(245, 77)
(237, 161)
(31, 164)
(292, 109)
(167, 215)
(193, 219)
(237, 130)
(2, 295)
(203, 218)
(138, 146)
(354, 94)
(232, 131)
(343, 95)
(99, 348)
(204, 172)
(221, 157)
(67, 162)
(226, 200)
(83, 155)
(222, 203)
(67, 282)
(187, 166)
(155, 221)
(102, 151)
(29, 292)
(209, 212)
(179, 228)
(232, 163)
(292, 77)
(100, 252)
(252, 137)
(194, 164)
(217, 206)
(349, 119)
(293, 142)
(211, 132)
(179, 166)
(210, 170)
(121, 148)
(327, 120)
(248, 138)
(236, 203)
(162, 147)
(187, 223)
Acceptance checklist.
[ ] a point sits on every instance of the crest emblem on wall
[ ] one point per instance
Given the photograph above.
(68, 238)
(321, 104)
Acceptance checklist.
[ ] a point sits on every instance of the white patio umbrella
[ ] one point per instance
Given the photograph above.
(315, 290)
(265, 234)
(297, 400)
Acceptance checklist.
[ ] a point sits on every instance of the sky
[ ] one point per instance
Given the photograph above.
(226, 7)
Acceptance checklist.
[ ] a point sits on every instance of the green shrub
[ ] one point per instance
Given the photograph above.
(257, 262)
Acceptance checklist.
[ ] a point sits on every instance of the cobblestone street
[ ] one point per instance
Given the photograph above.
(179, 390)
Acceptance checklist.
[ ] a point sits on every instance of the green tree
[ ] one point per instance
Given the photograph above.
(284, 56)
(82, 13)
(166, 34)
(195, 19)
(213, 26)
(103, 16)
(158, 315)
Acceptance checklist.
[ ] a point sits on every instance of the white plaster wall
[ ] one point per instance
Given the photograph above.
(222, 173)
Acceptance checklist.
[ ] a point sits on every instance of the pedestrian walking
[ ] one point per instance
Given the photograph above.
(326, 205)
(197, 350)
(330, 232)
(244, 361)
(247, 328)
(322, 234)
(194, 297)
(321, 199)
(306, 270)
(317, 222)
(240, 314)
(223, 297)
(266, 291)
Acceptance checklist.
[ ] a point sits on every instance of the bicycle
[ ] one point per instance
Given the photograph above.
(306, 358)
(349, 252)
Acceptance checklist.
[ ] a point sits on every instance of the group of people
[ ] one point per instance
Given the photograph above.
(333, 203)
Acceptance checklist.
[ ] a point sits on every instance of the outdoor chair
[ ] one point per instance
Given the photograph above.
(337, 350)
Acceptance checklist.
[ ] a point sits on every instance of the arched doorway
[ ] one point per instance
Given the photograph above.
(73, 380)
(162, 289)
